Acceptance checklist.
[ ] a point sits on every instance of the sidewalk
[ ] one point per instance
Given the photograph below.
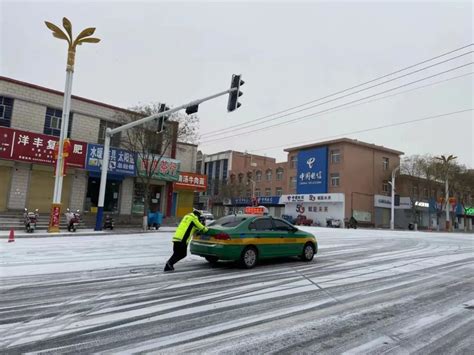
(82, 232)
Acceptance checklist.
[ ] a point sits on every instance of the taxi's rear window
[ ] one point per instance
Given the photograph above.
(228, 221)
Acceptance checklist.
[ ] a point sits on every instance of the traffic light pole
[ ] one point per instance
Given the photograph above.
(110, 132)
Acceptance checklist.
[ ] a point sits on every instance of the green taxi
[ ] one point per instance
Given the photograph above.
(248, 238)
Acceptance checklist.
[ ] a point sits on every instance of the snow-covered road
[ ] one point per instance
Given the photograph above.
(366, 292)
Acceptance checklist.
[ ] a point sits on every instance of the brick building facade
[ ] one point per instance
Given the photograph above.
(36, 110)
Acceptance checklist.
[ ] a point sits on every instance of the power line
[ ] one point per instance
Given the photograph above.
(248, 125)
(343, 91)
(368, 129)
(332, 108)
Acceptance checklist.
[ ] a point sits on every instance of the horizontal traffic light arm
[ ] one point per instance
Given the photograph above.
(111, 132)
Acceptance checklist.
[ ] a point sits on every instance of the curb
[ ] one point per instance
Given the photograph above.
(82, 234)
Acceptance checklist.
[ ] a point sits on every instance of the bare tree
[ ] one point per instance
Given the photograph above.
(152, 146)
(461, 186)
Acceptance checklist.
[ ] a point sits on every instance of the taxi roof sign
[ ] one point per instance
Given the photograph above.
(261, 210)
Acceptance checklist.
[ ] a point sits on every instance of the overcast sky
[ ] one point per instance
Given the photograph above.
(288, 53)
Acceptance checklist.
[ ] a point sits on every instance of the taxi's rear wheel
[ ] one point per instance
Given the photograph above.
(212, 259)
(308, 252)
(248, 258)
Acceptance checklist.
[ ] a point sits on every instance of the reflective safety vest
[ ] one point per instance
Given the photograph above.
(188, 226)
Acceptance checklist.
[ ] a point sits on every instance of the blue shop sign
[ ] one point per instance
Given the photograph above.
(268, 200)
(241, 201)
(312, 171)
(120, 161)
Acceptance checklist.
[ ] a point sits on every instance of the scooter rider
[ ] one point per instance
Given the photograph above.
(189, 225)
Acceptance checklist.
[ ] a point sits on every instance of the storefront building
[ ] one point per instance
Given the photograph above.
(30, 117)
(274, 204)
(354, 172)
(318, 207)
(184, 189)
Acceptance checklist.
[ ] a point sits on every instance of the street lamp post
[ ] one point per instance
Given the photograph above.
(445, 160)
(83, 37)
(392, 211)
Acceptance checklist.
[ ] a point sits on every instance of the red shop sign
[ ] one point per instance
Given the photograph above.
(37, 148)
(191, 181)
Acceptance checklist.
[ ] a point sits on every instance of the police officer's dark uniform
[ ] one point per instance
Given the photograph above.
(189, 225)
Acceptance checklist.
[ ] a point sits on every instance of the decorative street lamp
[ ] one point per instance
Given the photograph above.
(83, 37)
(445, 161)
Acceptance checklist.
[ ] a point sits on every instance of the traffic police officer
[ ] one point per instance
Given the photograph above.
(189, 225)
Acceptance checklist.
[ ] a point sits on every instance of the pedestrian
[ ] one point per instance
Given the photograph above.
(189, 225)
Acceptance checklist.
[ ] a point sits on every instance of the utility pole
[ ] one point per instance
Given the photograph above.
(190, 107)
(392, 212)
(83, 37)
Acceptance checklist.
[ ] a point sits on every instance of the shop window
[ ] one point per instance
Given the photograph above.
(112, 190)
(279, 174)
(335, 156)
(335, 180)
(385, 163)
(268, 174)
(278, 191)
(52, 122)
(258, 176)
(225, 167)
(154, 198)
(115, 139)
(268, 191)
(6, 109)
(293, 161)
(217, 173)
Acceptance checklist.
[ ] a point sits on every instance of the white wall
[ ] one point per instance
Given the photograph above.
(334, 210)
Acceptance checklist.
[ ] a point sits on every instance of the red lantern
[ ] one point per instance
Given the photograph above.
(67, 150)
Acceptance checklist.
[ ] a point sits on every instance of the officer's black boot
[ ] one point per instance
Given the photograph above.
(169, 267)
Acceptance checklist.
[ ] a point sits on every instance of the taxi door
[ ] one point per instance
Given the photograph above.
(292, 245)
(268, 241)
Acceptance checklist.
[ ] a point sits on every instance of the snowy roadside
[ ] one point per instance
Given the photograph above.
(35, 256)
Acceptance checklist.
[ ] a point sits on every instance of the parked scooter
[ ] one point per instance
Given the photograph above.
(333, 223)
(109, 222)
(30, 219)
(72, 220)
(351, 223)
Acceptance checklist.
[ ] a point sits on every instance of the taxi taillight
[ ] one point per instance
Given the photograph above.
(222, 236)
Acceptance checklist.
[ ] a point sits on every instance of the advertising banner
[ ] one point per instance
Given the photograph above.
(191, 181)
(37, 148)
(268, 200)
(241, 201)
(386, 202)
(121, 161)
(335, 197)
(312, 171)
(166, 169)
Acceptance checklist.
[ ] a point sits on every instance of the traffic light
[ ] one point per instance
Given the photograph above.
(161, 121)
(192, 109)
(234, 95)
